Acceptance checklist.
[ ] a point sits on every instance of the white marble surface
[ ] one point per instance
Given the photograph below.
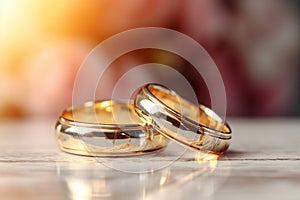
(263, 162)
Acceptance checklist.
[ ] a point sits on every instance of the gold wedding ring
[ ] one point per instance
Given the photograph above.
(106, 128)
(197, 127)
(126, 128)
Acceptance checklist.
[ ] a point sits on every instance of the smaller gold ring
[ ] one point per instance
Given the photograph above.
(106, 128)
(197, 127)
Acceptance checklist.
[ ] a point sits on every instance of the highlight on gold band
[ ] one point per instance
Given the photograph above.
(106, 128)
(195, 126)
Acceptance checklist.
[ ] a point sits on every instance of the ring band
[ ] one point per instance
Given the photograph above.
(106, 128)
(197, 127)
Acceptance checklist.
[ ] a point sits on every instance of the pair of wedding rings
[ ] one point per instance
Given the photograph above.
(147, 124)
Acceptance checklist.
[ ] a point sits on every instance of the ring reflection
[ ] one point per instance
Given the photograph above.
(193, 174)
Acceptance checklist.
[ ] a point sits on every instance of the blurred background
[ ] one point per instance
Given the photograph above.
(254, 43)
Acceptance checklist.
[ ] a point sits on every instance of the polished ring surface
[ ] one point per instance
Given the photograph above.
(106, 128)
(197, 127)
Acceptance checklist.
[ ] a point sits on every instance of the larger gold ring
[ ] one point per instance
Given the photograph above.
(106, 128)
(197, 127)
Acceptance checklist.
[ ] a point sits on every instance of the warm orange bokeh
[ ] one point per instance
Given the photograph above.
(42, 44)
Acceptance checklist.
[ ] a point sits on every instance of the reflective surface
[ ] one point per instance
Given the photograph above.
(263, 163)
(87, 182)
